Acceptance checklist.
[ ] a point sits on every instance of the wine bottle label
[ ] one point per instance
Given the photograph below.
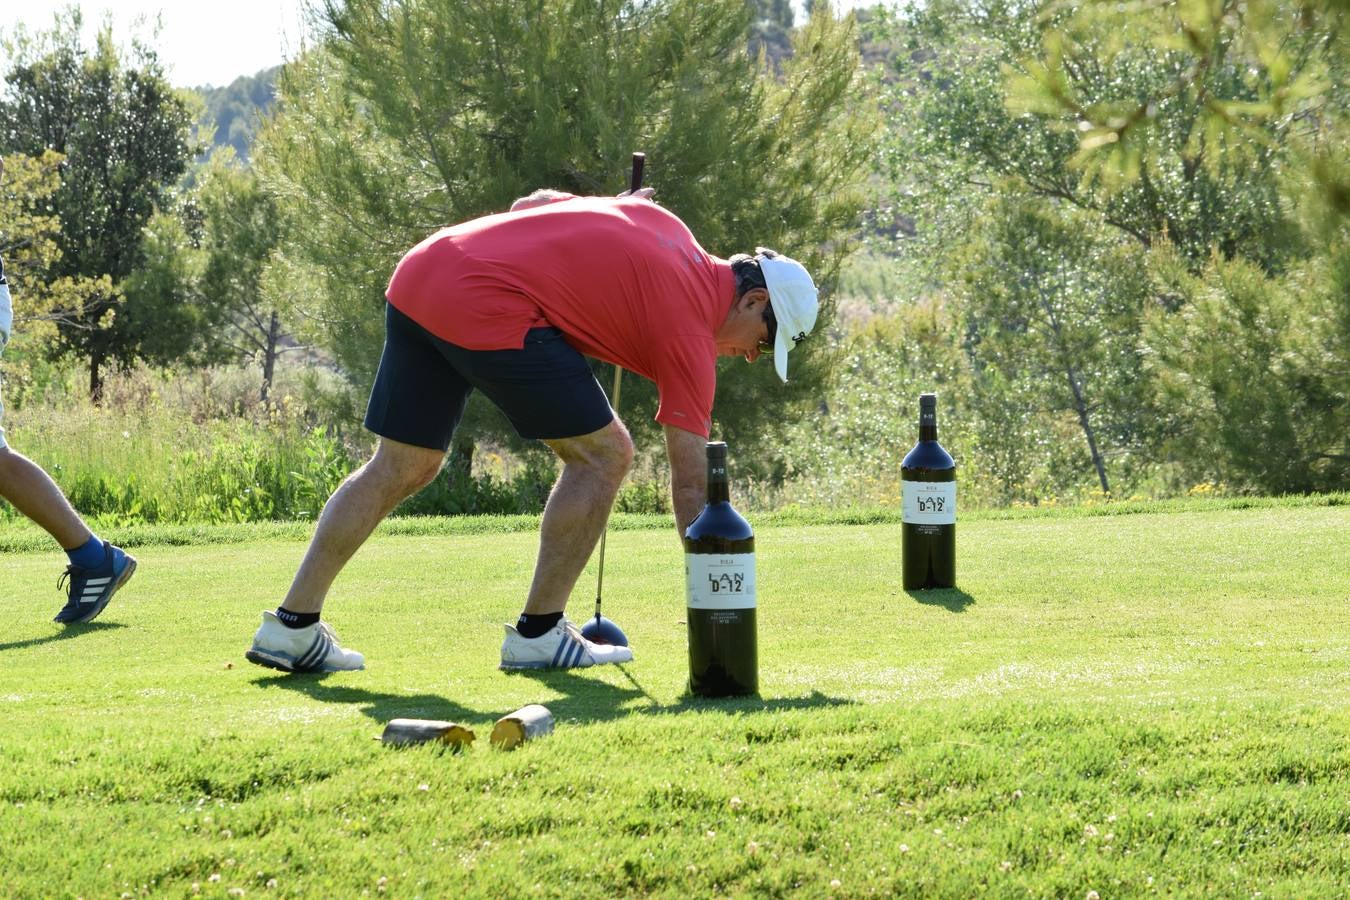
(930, 502)
(719, 580)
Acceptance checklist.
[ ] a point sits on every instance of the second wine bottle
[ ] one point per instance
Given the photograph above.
(928, 481)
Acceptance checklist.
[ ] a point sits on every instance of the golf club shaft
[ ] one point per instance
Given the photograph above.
(639, 161)
(600, 578)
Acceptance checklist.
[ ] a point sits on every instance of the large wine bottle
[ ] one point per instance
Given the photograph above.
(928, 532)
(719, 569)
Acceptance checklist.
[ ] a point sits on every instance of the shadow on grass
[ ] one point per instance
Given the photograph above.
(951, 599)
(379, 706)
(65, 634)
(584, 699)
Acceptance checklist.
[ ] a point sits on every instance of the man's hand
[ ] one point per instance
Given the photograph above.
(545, 196)
(688, 474)
(539, 198)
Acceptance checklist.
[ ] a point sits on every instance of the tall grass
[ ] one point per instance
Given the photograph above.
(201, 448)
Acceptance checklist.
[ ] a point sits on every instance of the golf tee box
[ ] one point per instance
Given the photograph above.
(525, 724)
(400, 732)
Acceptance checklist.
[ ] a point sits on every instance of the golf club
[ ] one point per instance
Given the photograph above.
(601, 630)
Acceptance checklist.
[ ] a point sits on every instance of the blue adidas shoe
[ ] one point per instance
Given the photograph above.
(91, 589)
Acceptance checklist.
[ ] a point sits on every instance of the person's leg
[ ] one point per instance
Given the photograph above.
(543, 638)
(32, 492)
(97, 569)
(293, 639)
(549, 393)
(415, 404)
(547, 390)
(393, 474)
(594, 465)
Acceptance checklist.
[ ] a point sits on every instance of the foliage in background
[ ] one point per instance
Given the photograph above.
(242, 227)
(208, 266)
(124, 134)
(1239, 78)
(183, 448)
(29, 244)
(193, 448)
(418, 115)
(960, 130)
(1052, 305)
(234, 113)
(1253, 372)
(184, 330)
(979, 164)
(1201, 306)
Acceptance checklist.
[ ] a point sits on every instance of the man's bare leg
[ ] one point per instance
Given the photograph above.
(33, 493)
(369, 494)
(594, 466)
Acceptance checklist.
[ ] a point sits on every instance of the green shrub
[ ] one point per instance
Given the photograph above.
(494, 491)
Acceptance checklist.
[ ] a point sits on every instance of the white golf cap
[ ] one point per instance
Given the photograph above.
(793, 296)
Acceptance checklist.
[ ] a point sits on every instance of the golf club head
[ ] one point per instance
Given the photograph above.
(600, 630)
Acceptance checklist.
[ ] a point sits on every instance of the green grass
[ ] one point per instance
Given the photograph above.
(1148, 703)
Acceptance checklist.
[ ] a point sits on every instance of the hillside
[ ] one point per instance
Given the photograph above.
(237, 109)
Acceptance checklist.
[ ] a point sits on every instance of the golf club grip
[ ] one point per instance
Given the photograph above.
(639, 160)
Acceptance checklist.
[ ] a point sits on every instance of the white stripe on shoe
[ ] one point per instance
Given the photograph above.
(579, 653)
(312, 657)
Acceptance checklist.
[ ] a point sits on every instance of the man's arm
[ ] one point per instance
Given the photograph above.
(688, 474)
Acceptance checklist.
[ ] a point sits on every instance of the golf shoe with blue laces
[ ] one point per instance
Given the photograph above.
(561, 647)
(314, 648)
(91, 589)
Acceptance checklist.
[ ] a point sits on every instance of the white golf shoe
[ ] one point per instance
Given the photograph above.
(314, 648)
(562, 647)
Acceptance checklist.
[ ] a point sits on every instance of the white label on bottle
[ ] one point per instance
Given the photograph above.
(929, 502)
(719, 581)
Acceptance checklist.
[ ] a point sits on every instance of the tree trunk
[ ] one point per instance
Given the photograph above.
(1079, 403)
(1080, 406)
(95, 378)
(270, 356)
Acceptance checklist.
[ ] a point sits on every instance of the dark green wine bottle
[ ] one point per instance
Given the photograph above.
(928, 532)
(719, 568)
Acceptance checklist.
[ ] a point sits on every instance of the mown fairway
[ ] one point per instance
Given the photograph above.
(1151, 703)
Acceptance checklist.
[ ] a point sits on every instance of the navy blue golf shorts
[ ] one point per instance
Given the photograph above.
(546, 389)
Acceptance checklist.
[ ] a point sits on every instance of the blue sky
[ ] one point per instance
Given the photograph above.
(200, 43)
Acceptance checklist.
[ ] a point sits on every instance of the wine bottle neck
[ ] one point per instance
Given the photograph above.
(717, 482)
(927, 419)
